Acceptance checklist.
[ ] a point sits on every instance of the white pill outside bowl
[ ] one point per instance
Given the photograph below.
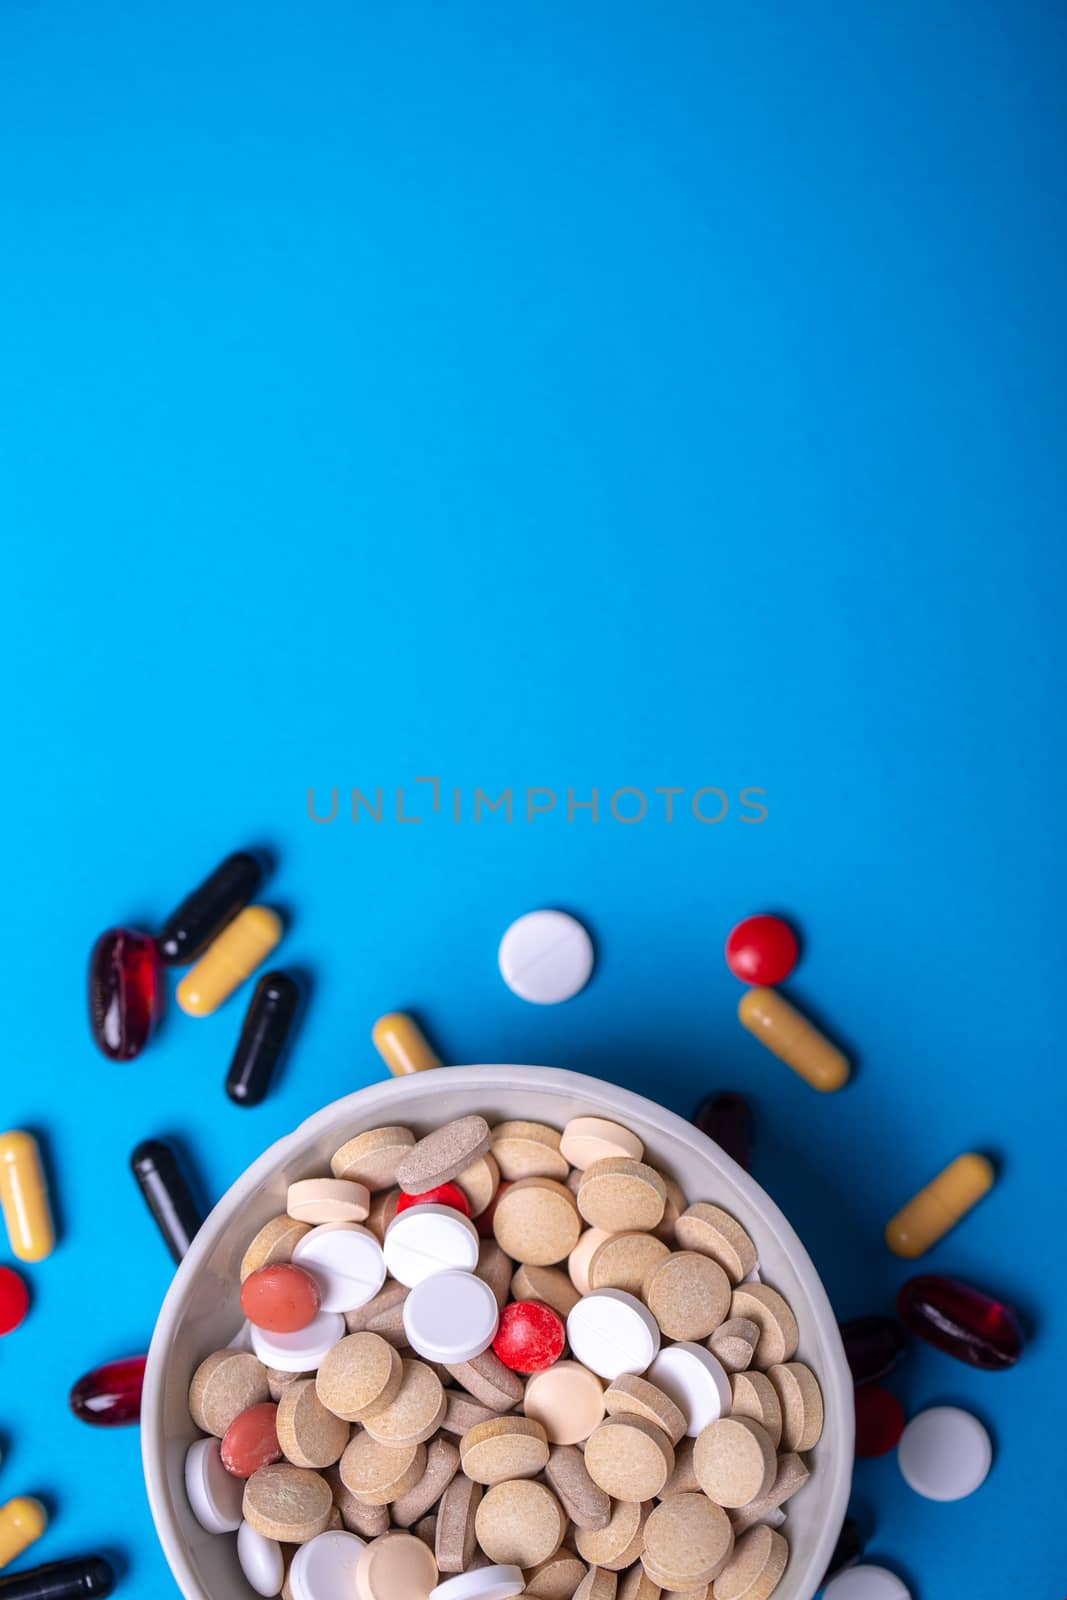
(261, 1560)
(301, 1351)
(346, 1261)
(945, 1453)
(215, 1495)
(611, 1332)
(696, 1381)
(546, 957)
(866, 1583)
(325, 1567)
(429, 1238)
(451, 1317)
(488, 1583)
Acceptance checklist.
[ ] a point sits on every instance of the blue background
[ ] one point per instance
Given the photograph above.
(561, 395)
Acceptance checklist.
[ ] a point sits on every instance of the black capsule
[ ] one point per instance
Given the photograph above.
(847, 1550)
(168, 1195)
(83, 1578)
(873, 1346)
(264, 1033)
(727, 1118)
(202, 915)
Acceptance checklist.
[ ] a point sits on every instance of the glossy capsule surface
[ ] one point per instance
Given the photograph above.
(239, 949)
(727, 1118)
(793, 1039)
(961, 1321)
(125, 992)
(167, 1194)
(110, 1396)
(83, 1578)
(14, 1300)
(22, 1522)
(879, 1420)
(203, 914)
(264, 1033)
(24, 1196)
(930, 1214)
(873, 1346)
(402, 1044)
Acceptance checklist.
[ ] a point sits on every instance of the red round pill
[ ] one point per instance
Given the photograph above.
(281, 1299)
(484, 1220)
(879, 1420)
(530, 1337)
(251, 1440)
(762, 950)
(446, 1194)
(14, 1300)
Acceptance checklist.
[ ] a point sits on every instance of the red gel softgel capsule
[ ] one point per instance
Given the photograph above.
(762, 950)
(879, 1420)
(251, 1440)
(445, 1194)
(530, 1337)
(873, 1346)
(727, 1118)
(280, 1299)
(961, 1321)
(14, 1300)
(110, 1396)
(125, 993)
(484, 1221)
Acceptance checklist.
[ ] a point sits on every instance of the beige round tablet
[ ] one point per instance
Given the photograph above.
(567, 1400)
(479, 1182)
(791, 1475)
(676, 1204)
(494, 1268)
(309, 1434)
(225, 1384)
(688, 1294)
(683, 1480)
(625, 1260)
(637, 1585)
(629, 1395)
(443, 1154)
(734, 1461)
(773, 1316)
(588, 1139)
(382, 1211)
(585, 1502)
(578, 1261)
(536, 1221)
(367, 1521)
(461, 1412)
(372, 1158)
(273, 1244)
(489, 1381)
(442, 1464)
(734, 1342)
(620, 1542)
(384, 1315)
(629, 1458)
(688, 1541)
(318, 1200)
(362, 1372)
(557, 1578)
(620, 1195)
(549, 1284)
(288, 1504)
(455, 1542)
(717, 1234)
(800, 1398)
(278, 1382)
(415, 1411)
(378, 1473)
(528, 1150)
(396, 1564)
(752, 1572)
(519, 1523)
(599, 1583)
(506, 1447)
(755, 1396)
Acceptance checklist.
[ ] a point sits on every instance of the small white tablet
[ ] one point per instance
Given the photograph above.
(611, 1332)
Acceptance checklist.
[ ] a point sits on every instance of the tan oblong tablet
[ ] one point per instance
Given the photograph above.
(273, 1245)
(550, 1284)
(585, 1502)
(362, 1371)
(734, 1461)
(384, 1315)
(589, 1139)
(443, 1154)
(624, 1261)
(288, 1504)
(791, 1475)
(396, 1564)
(800, 1399)
(717, 1234)
(754, 1395)
(629, 1395)
(454, 1541)
(688, 1541)
(506, 1447)
(309, 1434)
(463, 1413)
(755, 1567)
(356, 1517)
(773, 1316)
(225, 1384)
(519, 1523)
(620, 1195)
(528, 1150)
(442, 1464)
(378, 1473)
(488, 1380)
(319, 1200)
(567, 1400)
(415, 1411)
(688, 1294)
(734, 1343)
(372, 1157)
(536, 1221)
(619, 1544)
(629, 1458)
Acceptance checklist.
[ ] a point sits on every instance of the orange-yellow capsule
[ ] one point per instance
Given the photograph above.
(239, 949)
(791, 1037)
(24, 1197)
(22, 1521)
(402, 1044)
(937, 1208)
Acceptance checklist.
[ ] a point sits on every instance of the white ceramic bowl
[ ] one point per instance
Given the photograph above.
(201, 1312)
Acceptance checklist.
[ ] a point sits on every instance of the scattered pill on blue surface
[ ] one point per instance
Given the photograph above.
(167, 1194)
(82, 1578)
(125, 992)
(264, 1034)
(202, 915)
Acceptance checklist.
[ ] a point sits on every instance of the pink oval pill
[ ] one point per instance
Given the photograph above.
(251, 1441)
(281, 1299)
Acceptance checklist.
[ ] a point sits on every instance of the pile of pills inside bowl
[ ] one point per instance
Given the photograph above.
(500, 1361)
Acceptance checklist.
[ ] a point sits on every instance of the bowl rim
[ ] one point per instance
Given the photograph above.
(835, 1380)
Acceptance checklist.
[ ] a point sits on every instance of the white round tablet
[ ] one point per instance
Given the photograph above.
(346, 1261)
(866, 1583)
(451, 1317)
(546, 957)
(261, 1560)
(611, 1332)
(945, 1453)
(215, 1495)
(488, 1583)
(301, 1351)
(696, 1381)
(427, 1239)
(325, 1567)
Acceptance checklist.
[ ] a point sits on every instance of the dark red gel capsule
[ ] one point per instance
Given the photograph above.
(124, 992)
(873, 1346)
(110, 1396)
(961, 1321)
(727, 1118)
(879, 1420)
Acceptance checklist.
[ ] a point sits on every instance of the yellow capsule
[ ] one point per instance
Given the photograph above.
(22, 1522)
(234, 956)
(780, 1026)
(402, 1044)
(937, 1208)
(24, 1197)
